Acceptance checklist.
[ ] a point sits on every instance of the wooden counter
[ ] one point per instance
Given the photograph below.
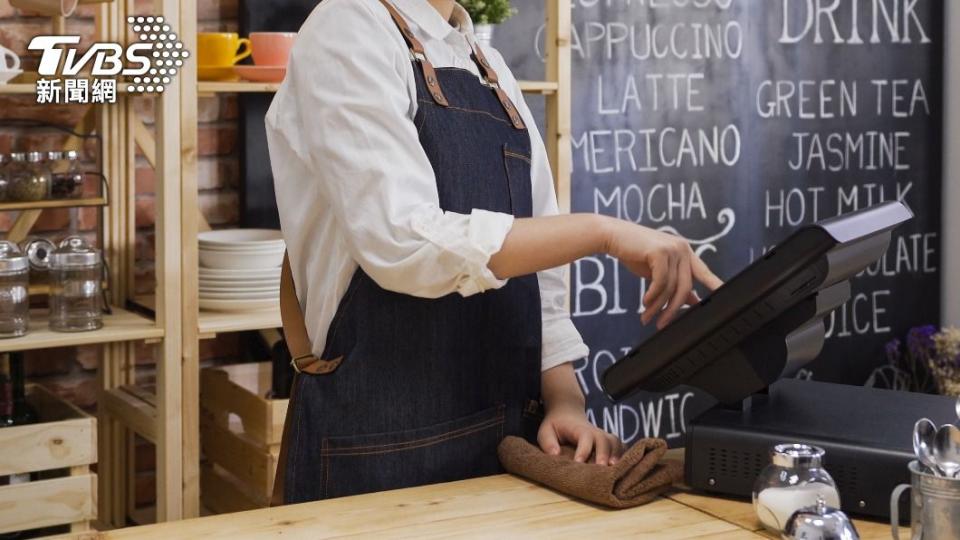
(498, 506)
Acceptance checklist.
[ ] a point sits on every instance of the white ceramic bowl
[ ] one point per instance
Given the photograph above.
(239, 285)
(224, 289)
(239, 295)
(240, 260)
(239, 305)
(252, 248)
(240, 273)
(240, 237)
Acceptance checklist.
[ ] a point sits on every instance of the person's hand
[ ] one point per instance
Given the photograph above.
(669, 264)
(568, 425)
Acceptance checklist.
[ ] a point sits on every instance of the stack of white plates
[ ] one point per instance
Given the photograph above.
(240, 269)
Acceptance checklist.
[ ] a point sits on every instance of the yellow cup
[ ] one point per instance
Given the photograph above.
(221, 49)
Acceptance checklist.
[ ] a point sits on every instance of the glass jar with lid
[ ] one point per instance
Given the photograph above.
(30, 178)
(794, 479)
(14, 294)
(75, 293)
(67, 179)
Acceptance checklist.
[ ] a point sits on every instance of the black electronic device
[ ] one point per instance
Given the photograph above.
(866, 433)
(767, 321)
(764, 324)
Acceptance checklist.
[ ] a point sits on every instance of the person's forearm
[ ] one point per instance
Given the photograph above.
(560, 390)
(541, 243)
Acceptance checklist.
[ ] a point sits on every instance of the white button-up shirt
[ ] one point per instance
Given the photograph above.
(354, 186)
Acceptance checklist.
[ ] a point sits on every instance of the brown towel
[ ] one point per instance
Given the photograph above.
(638, 478)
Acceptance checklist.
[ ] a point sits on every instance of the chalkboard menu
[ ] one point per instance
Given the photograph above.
(732, 123)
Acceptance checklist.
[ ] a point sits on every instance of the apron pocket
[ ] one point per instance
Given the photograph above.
(462, 448)
(517, 169)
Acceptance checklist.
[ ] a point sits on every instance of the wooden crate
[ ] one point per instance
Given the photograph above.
(63, 445)
(240, 432)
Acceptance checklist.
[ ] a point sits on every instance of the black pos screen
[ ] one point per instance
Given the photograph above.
(767, 320)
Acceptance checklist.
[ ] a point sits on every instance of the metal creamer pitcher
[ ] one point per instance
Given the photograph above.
(934, 506)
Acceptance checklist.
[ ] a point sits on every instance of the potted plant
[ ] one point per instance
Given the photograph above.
(486, 14)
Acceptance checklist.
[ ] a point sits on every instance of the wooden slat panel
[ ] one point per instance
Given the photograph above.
(131, 411)
(65, 437)
(48, 502)
(238, 389)
(255, 466)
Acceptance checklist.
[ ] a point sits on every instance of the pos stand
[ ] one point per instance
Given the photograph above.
(762, 326)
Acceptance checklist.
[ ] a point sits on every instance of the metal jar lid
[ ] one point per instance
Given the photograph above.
(38, 251)
(796, 455)
(11, 260)
(820, 522)
(35, 157)
(71, 155)
(74, 252)
(54, 156)
(18, 156)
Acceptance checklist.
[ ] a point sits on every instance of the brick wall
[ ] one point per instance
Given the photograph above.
(72, 372)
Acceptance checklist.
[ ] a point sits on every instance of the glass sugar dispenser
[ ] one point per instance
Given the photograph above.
(795, 479)
(76, 294)
(14, 294)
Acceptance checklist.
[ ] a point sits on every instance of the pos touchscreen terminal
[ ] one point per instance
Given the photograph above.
(762, 326)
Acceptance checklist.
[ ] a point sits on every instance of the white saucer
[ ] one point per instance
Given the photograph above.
(6, 75)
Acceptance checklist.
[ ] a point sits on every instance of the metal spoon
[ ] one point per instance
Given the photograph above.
(946, 449)
(924, 433)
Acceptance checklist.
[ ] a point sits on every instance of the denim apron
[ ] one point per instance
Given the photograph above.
(422, 391)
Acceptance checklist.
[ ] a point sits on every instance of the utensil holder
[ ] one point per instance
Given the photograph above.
(934, 505)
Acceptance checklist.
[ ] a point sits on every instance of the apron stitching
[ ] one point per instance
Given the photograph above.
(477, 429)
(423, 120)
(506, 172)
(510, 153)
(462, 109)
(486, 423)
(325, 464)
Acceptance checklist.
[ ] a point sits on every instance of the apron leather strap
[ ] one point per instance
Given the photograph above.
(490, 76)
(417, 51)
(295, 329)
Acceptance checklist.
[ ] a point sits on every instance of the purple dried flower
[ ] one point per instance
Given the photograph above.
(920, 341)
(892, 349)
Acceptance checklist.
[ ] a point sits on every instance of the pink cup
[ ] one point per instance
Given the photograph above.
(272, 48)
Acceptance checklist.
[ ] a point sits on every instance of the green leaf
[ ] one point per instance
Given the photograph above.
(488, 11)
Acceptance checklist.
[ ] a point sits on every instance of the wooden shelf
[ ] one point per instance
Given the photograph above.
(18, 88)
(216, 87)
(119, 326)
(211, 323)
(31, 89)
(539, 87)
(53, 203)
(211, 87)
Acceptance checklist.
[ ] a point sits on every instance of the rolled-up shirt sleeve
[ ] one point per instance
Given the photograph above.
(352, 128)
(561, 341)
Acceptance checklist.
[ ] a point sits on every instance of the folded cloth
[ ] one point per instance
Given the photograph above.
(637, 478)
